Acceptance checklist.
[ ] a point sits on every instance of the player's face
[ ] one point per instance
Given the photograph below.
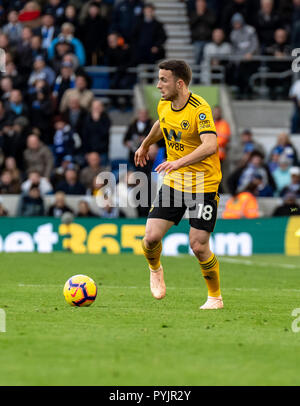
(167, 84)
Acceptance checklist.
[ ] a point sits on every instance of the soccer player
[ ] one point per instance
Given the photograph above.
(191, 180)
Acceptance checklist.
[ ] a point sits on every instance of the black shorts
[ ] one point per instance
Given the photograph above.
(171, 204)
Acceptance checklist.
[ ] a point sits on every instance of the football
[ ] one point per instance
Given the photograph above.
(80, 290)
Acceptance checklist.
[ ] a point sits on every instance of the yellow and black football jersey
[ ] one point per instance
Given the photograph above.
(181, 130)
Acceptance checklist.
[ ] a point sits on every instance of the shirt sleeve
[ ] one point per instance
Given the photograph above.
(205, 121)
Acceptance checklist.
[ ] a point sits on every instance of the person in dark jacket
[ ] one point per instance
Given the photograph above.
(96, 131)
(289, 206)
(31, 204)
(93, 33)
(71, 186)
(202, 22)
(149, 37)
(125, 17)
(136, 133)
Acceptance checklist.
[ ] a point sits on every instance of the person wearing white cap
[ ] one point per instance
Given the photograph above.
(294, 186)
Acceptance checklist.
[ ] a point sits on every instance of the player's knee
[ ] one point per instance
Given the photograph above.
(151, 239)
(198, 249)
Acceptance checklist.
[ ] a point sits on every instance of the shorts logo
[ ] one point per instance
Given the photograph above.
(202, 116)
(185, 124)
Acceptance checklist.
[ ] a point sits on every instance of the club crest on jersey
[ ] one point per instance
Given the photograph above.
(202, 116)
(185, 124)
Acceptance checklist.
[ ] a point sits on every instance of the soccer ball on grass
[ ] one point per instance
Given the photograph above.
(80, 290)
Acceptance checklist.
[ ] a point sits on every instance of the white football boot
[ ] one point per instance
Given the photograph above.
(157, 283)
(213, 303)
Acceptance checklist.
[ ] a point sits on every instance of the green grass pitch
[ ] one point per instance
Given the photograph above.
(128, 338)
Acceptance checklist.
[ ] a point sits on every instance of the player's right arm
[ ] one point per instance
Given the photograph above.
(141, 155)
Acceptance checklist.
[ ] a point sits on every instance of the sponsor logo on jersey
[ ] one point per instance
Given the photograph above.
(202, 116)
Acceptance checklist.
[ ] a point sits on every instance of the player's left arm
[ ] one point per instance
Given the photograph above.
(208, 147)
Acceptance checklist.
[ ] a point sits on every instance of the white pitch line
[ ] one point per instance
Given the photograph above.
(262, 264)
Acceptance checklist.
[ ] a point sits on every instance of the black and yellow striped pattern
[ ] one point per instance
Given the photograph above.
(194, 102)
(208, 265)
(153, 255)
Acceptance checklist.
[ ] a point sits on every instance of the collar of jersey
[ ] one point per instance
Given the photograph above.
(183, 106)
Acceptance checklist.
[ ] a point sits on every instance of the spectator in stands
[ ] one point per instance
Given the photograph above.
(15, 106)
(91, 171)
(84, 209)
(279, 88)
(19, 80)
(281, 174)
(267, 21)
(118, 55)
(242, 176)
(10, 165)
(75, 115)
(41, 110)
(126, 15)
(64, 81)
(202, 22)
(3, 211)
(71, 185)
(13, 135)
(94, 33)
(294, 95)
(81, 91)
(136, 133)
(31, 204)
(6, 87)
(245, 44)
(34, 178)
(96, 131)
(67, 34)
(36, 47)
(7, 183)
(41, 71)
(218, 46)
(70, 16)
(47, 31)
(149, 37)
(59, 207)
(37, 156)
(65, 140)
(242, 205)
(13, 29)
(223, 132)
(289, 207)
(234, 6)
(57, 9)
(24, 51)
(31, 14)
(284, 147)
(103, 6)
(294, 186)
(62, 48)
(247, 145)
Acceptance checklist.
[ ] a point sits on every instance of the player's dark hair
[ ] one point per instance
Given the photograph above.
(180, 69)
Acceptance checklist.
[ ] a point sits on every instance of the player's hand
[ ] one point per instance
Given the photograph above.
(141, 156)
(168, 166)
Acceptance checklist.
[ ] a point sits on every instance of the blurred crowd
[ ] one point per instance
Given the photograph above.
(244, 29)
(54, 134)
